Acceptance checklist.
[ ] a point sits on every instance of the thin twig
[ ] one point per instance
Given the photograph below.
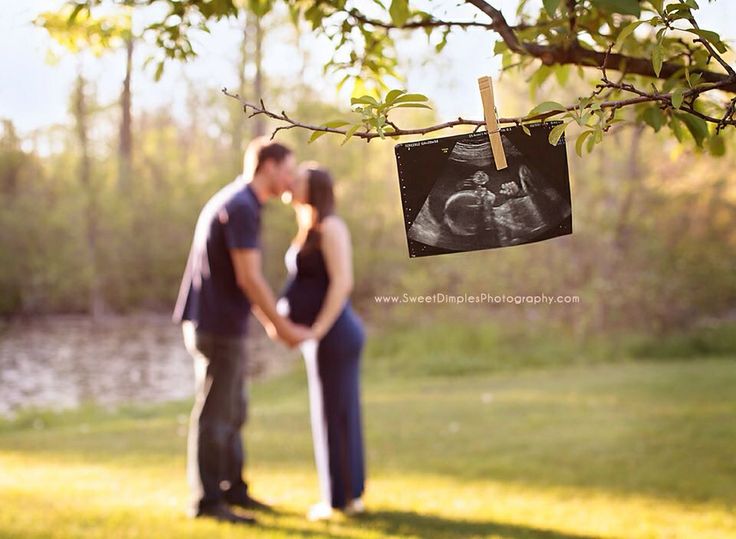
(641, 97)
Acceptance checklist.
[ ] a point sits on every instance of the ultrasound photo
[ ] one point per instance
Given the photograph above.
(455, 200)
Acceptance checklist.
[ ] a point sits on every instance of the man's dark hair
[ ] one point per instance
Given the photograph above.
(261, 150)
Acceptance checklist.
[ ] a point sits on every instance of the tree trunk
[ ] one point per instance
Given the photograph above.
(621, 229)
(259, 127)
(125, 152)
(240, 117)
(81, 116)
(613, 261)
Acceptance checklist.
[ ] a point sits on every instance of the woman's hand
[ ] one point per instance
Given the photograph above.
(318, 331)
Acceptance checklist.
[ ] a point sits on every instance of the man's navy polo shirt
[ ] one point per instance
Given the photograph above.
(209, 293)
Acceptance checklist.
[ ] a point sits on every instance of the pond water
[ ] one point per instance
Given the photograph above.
(63, 361)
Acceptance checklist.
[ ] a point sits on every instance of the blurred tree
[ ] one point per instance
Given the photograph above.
(258, 86)
(80, 109)
(239, 119)
(12, 158)
(78, 31)
(125, 152)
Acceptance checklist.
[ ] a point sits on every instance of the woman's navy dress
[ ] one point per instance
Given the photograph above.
(333, 371)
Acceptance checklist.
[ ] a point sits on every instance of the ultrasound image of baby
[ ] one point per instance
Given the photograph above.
(474, 206)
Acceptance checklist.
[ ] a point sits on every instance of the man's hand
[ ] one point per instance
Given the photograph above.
(293, 334)
(270, 329)
(247, 266)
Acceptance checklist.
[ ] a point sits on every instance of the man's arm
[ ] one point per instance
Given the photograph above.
(248, 274)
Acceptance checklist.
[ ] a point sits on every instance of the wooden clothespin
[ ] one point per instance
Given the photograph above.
(489, 109)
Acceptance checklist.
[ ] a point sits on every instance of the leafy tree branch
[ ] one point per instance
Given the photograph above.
(671, 72)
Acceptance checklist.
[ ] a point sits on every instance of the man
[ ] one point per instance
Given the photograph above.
(223, 281)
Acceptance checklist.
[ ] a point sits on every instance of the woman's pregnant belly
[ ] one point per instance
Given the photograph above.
(304, 298)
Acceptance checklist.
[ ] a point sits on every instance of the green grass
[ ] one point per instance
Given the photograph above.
(472, 347)
(629, 450)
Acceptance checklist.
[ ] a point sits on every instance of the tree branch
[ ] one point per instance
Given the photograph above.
(641, 97)
(712, 51)
(429, 23)
(436, 23)
(578, 55)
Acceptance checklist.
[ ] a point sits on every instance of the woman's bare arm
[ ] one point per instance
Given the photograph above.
(337, 251)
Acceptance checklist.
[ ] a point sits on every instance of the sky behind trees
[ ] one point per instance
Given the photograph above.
(34, 92)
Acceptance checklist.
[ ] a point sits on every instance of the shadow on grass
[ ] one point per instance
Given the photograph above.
(412, 524)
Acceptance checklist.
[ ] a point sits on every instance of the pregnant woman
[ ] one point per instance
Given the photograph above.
(318, 295)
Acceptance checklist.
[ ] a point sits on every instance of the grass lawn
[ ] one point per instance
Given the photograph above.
(628, 450)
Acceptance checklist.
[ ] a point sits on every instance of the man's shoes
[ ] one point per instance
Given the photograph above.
(247, 502)
(223, 513)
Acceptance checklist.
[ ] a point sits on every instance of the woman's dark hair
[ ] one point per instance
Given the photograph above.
(320, 192)
(321, 196)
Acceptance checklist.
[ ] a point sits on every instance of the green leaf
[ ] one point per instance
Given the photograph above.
(350, 133)
(392, 95)
(711, 37)
(677, 97)
(411, 98)
(697, 126)
(315, 136)
(412, 106)
(625, 7)
(551, 6)
(442, 43)
(343, 81)
(547, 106)
(676, 126)
(526, 130)
(74, 13)
(717, 146)
(399, 12)
(683, 6)
(654, 117)
(562, 74)
(581, 140)
(538, 78)
(159, 71)
(592, 140)
(626, 32)
(335, 123)
(657, 59)
(363, 100)
(556, 134)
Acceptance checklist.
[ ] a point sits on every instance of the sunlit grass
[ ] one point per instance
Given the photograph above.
(630, 451)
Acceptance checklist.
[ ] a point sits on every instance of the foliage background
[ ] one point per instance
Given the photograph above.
(652, 251)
